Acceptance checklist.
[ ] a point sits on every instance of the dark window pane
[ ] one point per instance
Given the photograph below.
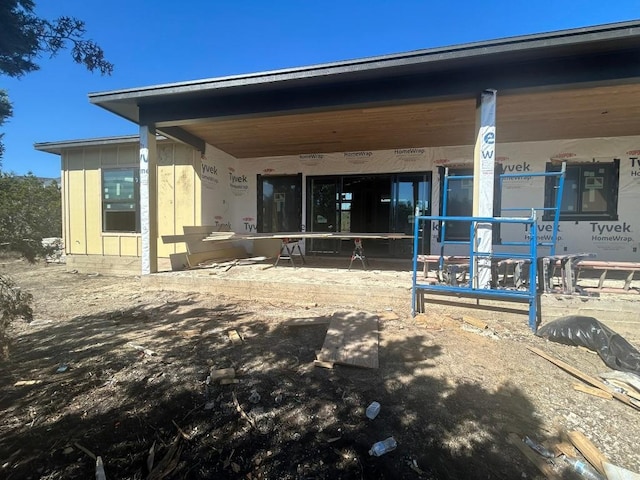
(120, 221)
(120, 200)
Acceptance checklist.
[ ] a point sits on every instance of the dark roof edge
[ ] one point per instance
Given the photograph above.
(575, 36)
(57, 147)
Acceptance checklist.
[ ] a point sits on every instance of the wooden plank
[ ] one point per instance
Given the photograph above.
(200, 229)
(234, 337)
(182, 238)
(476, 322)
(198, 258)
(221, 373)
(303, 322)
(585, 378)
(596, 392)
(323, 364)
(588, 450)
(198, 246)
(534, 458)
(352, 339)
(178, 261)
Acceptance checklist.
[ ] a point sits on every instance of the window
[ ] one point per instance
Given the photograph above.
(590, 191)
(460, 202)
(120, 200)
(279, 203)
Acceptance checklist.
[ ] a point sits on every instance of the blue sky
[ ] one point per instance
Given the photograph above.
(153, 42)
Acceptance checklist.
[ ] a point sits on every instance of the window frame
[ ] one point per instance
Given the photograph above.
(135, 172)
(610, 188)
(466, 170)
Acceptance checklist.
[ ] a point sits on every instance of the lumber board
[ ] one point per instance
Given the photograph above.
(303, 322)
(352, 339)
(584, 377)
(178, 261)
(200, 229)
(199, 246)
(588, 450)
(198, 258)
(476, 322)
(596, 392)
(182, 238)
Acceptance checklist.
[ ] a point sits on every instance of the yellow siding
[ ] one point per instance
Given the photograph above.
(77, 241)
(129, 245)
(178, 193)
(111, 245)
(185, 188)
(166, 204)
(93, 201)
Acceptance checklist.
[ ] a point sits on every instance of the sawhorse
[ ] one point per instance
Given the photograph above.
(287, 250)
(358, 253)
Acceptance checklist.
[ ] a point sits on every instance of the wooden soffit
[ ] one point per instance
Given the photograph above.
(544, 115)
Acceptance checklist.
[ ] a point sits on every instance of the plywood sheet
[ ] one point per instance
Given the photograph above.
(352, 339)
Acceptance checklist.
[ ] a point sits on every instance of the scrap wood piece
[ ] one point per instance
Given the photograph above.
(242, 413)
(323, 364)
(534, 458)
(234, 337)
(475, 322)
(222, 373)
(21, 383)
(586, 378)
(588, 450)
(596, 392)
(251, 260)
(565, 448)
(352, 339)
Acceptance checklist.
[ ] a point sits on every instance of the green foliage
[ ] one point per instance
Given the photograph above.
(6, 110)
(14, 304)
(29, 212)
(25, 37)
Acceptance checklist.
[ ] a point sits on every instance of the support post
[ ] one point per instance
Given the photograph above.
(484, 156)
(148, 199)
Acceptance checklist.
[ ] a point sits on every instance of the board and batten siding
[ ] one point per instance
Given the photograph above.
(179, 192)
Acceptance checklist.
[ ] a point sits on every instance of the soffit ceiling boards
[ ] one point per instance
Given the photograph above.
(571, 84)
(579, 113)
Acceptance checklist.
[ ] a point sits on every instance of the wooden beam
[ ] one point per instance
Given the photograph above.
(585, 378)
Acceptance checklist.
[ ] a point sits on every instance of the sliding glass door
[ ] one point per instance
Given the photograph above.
(375, 203)
(279, 203)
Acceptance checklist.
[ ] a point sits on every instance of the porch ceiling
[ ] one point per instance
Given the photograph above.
(544, 115)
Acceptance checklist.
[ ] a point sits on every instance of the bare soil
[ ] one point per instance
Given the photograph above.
(76, 381)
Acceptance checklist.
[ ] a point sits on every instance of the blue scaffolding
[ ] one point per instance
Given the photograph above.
(529, 256)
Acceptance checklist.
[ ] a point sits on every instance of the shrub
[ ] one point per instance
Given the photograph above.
(14, 304)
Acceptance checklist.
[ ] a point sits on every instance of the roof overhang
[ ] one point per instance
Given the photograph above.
(568, 84)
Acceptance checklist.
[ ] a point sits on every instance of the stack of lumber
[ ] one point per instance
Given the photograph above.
(201, 252)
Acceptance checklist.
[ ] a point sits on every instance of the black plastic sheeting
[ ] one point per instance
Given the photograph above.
(588, 332)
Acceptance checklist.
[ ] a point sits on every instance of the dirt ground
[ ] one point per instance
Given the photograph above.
(109, 369)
